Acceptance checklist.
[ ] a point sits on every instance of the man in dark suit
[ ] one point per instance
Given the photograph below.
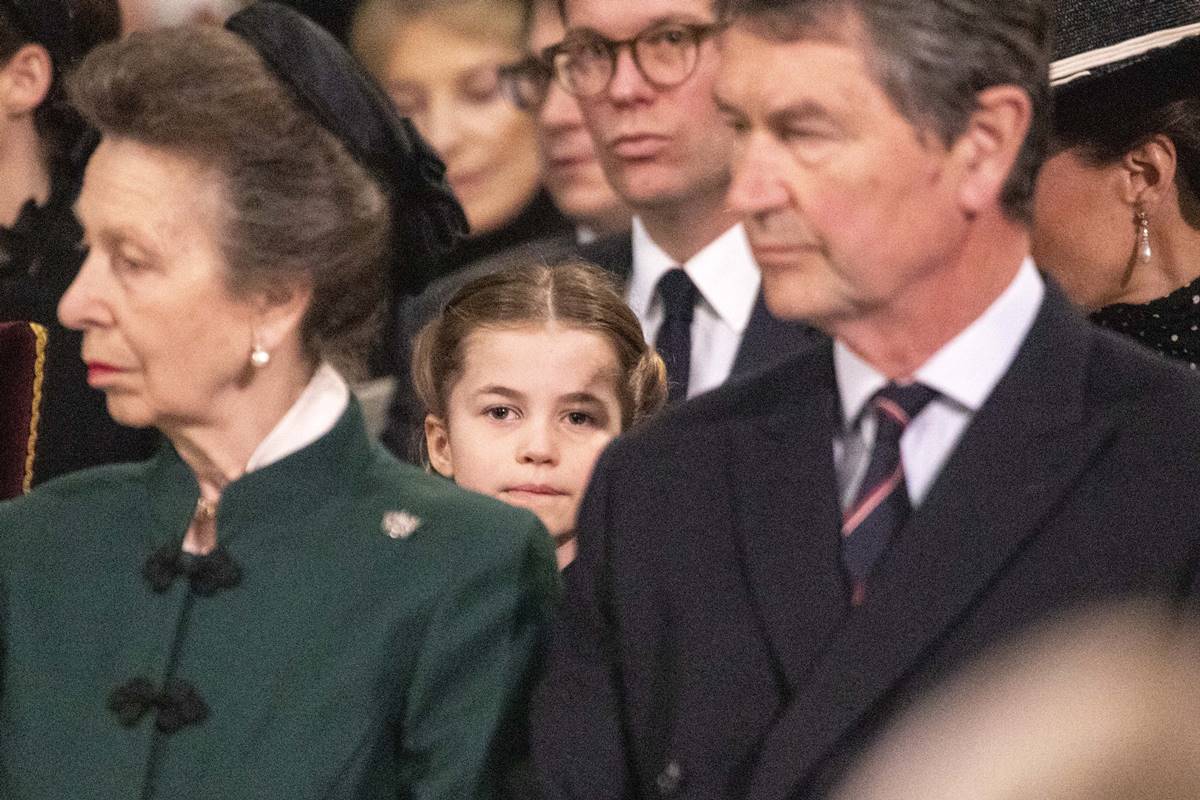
(643, 75)
(686, 267)
(769, 573)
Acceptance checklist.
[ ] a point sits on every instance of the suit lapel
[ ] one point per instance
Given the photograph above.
(787, 514)
(767, 339)
(1025, 448)
(612, 253)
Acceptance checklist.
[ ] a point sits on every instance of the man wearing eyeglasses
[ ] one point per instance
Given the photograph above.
(570, 169)
(643, 76)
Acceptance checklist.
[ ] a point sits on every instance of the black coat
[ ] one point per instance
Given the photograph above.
(707, 648)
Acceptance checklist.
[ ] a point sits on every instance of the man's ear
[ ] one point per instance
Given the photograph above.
(988, 149)
(25, 80)
(279, 314)
(437, 444)
(1148, 173)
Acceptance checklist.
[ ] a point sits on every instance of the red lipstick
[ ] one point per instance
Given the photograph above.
(98, 372)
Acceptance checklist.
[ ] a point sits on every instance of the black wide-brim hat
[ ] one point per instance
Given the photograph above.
(427, 219)
(1097, 40)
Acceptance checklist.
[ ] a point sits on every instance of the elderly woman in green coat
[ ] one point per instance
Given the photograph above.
(272, 607)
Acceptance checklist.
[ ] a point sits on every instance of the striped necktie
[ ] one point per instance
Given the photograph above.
(881, 506)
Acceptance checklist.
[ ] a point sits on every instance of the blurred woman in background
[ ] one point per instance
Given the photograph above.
(1117, 209)
(440, 62)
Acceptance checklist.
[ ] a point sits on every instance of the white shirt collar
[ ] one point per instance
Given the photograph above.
(966, 369)
(724, 272)
(313, 415)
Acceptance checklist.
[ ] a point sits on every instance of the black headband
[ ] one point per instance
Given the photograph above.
(426, 217)
(52, 24)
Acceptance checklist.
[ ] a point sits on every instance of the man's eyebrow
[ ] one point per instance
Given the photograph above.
(665, 19)
(800, 110)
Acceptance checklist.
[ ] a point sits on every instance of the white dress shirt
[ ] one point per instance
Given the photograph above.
(727, 279)
(315, 412)
(963, 372)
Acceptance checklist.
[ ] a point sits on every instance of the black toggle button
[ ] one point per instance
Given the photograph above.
(178, 704)
(207, 574)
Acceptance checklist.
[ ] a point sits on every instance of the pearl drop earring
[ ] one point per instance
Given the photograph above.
(1144, 253)
(259, 357)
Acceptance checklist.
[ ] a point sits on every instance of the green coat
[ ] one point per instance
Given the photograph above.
(352, 661)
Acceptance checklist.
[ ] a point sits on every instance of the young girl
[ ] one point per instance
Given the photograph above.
(525, 376)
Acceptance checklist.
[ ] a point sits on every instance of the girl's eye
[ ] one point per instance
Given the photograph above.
(580, 418)
(499, 412)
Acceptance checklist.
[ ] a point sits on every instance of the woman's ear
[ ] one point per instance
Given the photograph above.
(25, 80)
(1148, 172)
(279, 315)
(989, 147)
(437, 443)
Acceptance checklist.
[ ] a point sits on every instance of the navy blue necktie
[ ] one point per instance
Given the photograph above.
(881, 506)
(674, 340)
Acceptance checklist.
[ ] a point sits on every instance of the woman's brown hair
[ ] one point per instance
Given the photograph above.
(298, 206)
(573, 294)
(376, 22)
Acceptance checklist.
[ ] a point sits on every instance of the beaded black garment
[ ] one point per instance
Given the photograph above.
(1171, 324)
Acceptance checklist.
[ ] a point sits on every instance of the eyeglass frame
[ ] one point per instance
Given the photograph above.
(698, 31)
(530, 68)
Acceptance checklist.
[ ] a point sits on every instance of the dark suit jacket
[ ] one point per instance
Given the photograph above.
(706, 648)
(766, 338)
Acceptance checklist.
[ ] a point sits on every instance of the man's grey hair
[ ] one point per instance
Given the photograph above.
(932, 58)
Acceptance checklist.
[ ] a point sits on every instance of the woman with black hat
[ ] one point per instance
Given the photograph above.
(1117, 211)
(271, 607)
(43, 147)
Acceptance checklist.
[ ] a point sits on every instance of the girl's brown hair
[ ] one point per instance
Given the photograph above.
(573, 294)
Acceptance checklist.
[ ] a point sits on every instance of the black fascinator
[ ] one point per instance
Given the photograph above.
(426, 218)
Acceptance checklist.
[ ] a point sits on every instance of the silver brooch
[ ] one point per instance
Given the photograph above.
(400, 524)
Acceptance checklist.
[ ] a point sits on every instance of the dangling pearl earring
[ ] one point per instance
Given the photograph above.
(1144, 253)
(259, 357)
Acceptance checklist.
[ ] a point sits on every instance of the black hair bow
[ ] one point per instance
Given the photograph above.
(207, 574)
(178, 704)
(427, 220)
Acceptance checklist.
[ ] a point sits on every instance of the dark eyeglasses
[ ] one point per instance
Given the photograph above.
(527, 82)
(665, 55)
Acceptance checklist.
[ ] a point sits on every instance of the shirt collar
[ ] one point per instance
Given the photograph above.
(966, 369)
(314, 414)
(724, 272)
